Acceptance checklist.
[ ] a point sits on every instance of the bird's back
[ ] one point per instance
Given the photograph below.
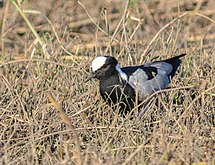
(153, 76)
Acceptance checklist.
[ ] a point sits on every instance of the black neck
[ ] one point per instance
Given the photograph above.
(109, 80)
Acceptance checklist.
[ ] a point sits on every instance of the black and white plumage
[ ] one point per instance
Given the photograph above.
(119, 85)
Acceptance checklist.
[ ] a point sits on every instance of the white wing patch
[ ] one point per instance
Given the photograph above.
(98, 62)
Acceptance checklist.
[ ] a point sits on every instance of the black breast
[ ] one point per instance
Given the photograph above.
(117, 92)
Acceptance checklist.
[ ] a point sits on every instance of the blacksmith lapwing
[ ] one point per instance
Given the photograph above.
(120, 85)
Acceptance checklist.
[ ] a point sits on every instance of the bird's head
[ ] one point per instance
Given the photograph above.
(102, 66)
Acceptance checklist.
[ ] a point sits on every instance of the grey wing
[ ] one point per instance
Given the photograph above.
(162, 66)
(145, 84)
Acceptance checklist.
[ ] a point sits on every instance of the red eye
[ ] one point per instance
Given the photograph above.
(104, 66)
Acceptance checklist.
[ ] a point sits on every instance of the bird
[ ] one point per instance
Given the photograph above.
(122, 86)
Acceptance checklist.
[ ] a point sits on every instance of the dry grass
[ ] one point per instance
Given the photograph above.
(42, 72)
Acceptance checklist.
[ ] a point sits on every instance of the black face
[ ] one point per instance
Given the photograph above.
(107, 69)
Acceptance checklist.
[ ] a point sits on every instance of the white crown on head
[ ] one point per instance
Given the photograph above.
(98, 62)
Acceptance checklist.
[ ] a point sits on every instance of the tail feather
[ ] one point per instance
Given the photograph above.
(175, 62)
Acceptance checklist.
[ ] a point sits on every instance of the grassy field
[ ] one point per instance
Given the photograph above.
(49, 115)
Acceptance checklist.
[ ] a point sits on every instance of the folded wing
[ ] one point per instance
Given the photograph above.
(153, 76)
